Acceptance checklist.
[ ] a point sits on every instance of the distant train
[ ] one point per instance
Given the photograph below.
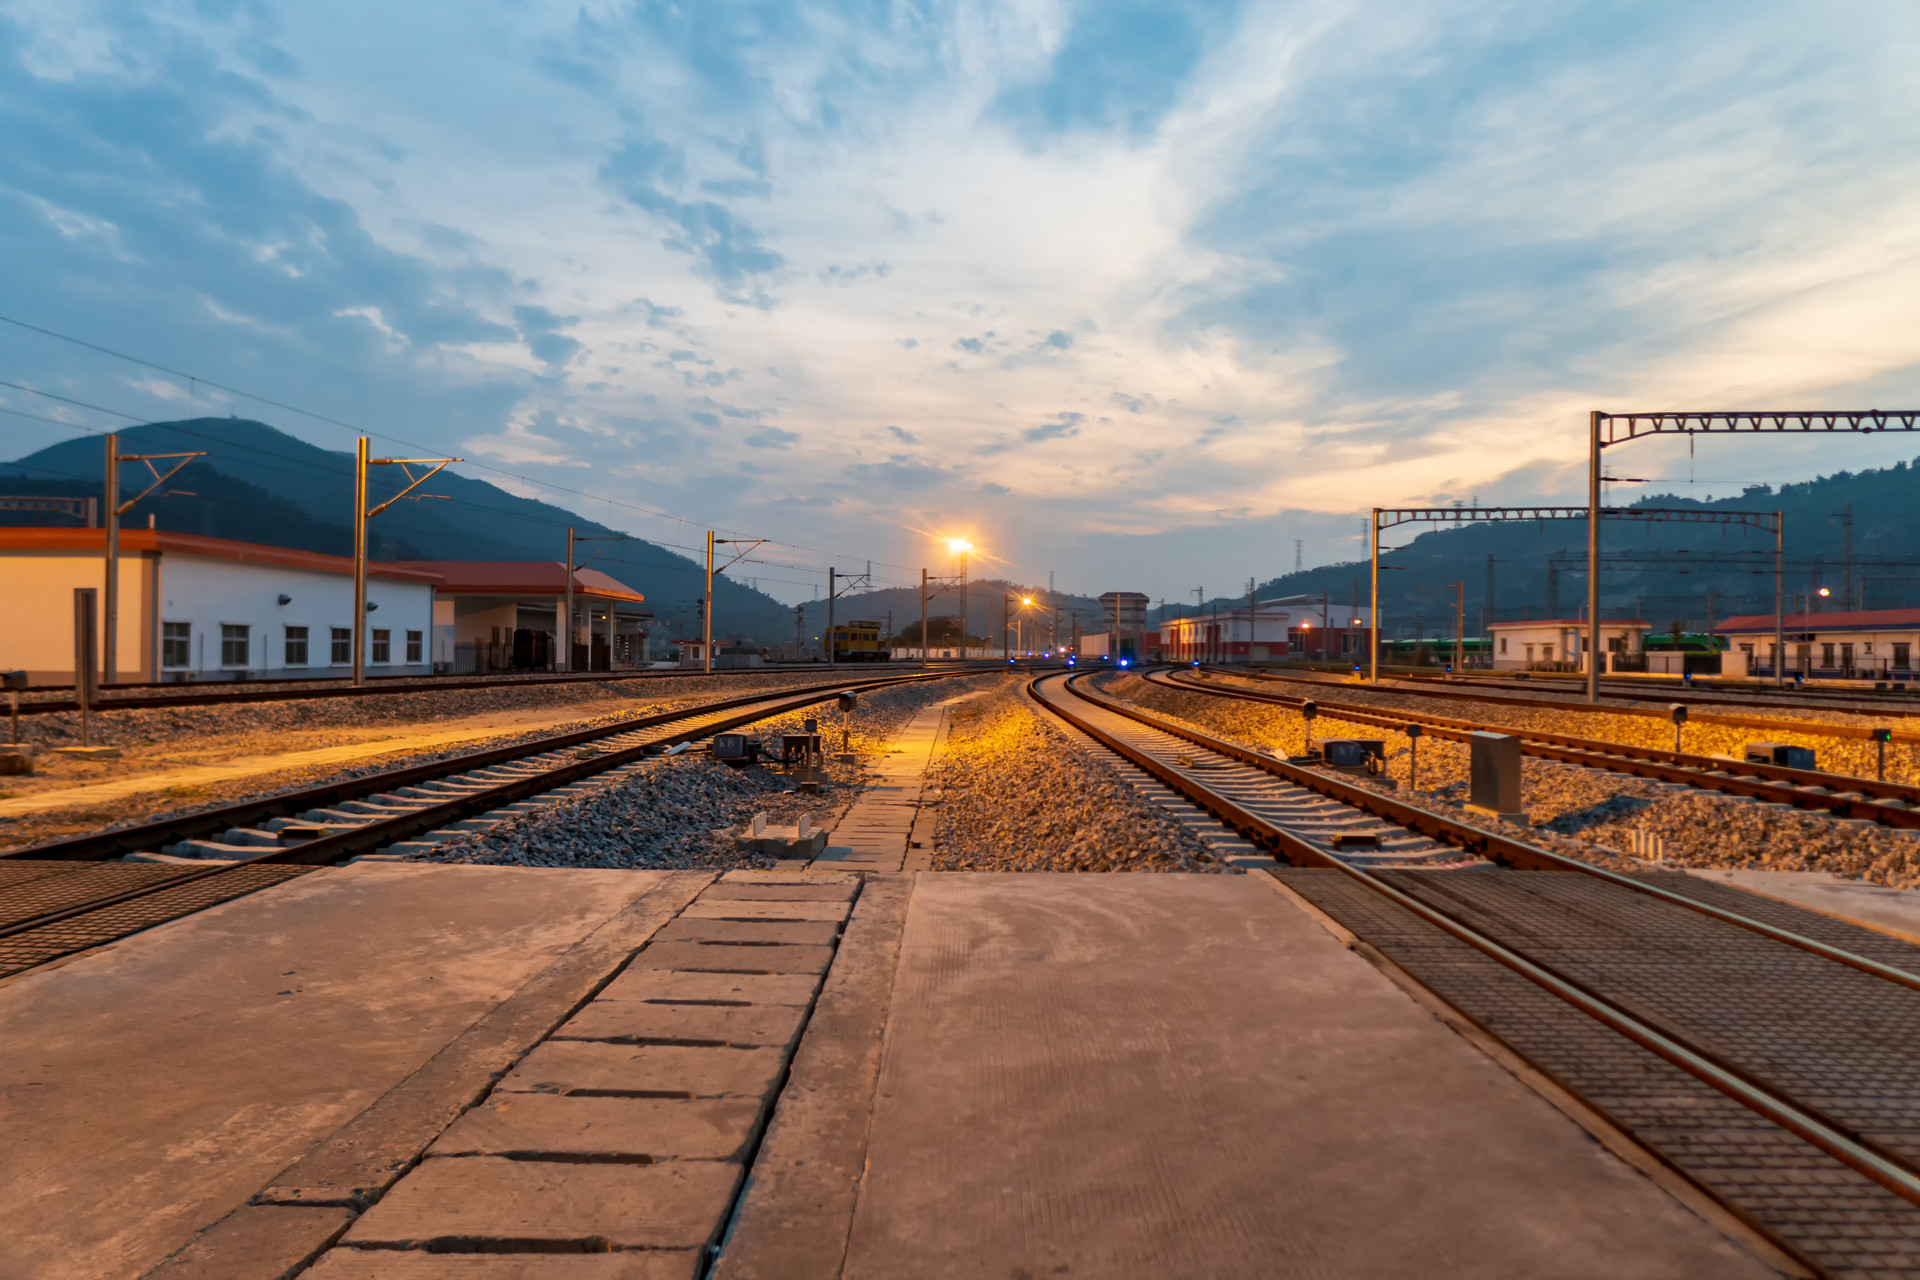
(858, 642)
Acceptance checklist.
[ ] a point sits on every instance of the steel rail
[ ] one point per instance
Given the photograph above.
(1811, 728)
(1804, 1121)
(698, 721)
(1540, 859)
(101, 846)
(334, 687)
(1794, 787)
(1902, 706)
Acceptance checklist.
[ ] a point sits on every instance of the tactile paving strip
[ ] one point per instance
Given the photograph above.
(94, 928)
(1832, 1037)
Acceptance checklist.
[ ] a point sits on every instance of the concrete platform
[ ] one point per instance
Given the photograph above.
(153, 1088)
(1174, 1076)
(415, 1072)
(1895, 911)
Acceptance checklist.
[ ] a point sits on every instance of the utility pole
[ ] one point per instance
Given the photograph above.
(1199, 605)
(830, 586)
(1373, 623)
(1593, 562)
(361, 514)
(1459, 625)
(706, 613)
(110, 611)
(1298, 553)
(1846, 553)
(1253, 612)
(566, 620)
(923, 617)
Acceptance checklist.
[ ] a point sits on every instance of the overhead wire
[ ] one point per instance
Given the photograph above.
(320, 417)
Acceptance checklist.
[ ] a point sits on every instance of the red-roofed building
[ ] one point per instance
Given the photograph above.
(208, 608)
(1862, 644)
(502, 615)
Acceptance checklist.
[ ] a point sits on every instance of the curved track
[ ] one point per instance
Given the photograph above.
(1764, 1052)
(68, 895)
(1893, 804)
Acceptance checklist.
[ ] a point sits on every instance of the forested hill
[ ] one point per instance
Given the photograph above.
(259, 484)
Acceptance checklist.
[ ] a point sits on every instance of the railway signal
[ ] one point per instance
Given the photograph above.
(1679, 712)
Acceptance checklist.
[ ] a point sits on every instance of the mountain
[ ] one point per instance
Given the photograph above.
(259, 484)
(1664, 572)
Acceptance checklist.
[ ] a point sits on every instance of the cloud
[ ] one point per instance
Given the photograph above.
(772, 438)
(1060, 426)
(903, 435)
(729, 249)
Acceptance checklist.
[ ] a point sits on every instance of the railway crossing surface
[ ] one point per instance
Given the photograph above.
(391, 1070)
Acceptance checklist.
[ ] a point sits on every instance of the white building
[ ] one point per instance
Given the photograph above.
(1559, 643)
(1861, 644)
(208, 608)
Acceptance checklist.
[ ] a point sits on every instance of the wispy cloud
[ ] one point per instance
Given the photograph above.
(1152, 262)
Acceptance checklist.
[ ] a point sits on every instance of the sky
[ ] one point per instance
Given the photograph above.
(1138, 293)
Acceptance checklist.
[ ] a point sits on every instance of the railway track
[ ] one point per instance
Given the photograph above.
(1769, 1055)
(69, 895)
(249, 692)
(1646, 708)
(1892, 701)
(1892, 804)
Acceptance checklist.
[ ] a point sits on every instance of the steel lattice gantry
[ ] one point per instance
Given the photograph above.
(1766, 521)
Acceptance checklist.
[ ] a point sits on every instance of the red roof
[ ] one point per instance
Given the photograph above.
(1565, 622)
(135, 541)
(1854, 620)
(522, 578)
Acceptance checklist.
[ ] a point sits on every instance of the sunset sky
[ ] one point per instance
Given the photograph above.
(1131, 291)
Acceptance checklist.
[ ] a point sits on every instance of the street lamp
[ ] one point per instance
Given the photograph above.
(960, 547)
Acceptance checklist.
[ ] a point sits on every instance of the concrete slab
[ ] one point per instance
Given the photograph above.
(636, 1021)
(1186, 1076)
(153, 1087)
(484, 1200)
(665, 985)
(799, 891)
(709, 929)
(708, 957)
(784, 909)
(1895, 911)
(538, 1124)
(384, 1264)
(590, 1067)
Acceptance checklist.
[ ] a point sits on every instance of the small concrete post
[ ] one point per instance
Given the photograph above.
(15, 682)
(1307, 712)
(85, 674)
(1413, 732)
(1880, 739)
(1495, 774)
(1679, 712)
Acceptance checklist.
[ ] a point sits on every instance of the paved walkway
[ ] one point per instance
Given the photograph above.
(153, 1088)
(885, 828)
(1182, 1076)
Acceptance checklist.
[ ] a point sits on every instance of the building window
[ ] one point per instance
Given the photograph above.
(296, 646)
(234, 645)
(176, 644)
(413, 647)
(1503, 644)
(342, 647)
(383, 647)
(1826, 655)
(1903, 656)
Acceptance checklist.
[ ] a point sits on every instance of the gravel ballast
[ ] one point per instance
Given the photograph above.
(1017, 794)
(1581, 812)
(683, 811)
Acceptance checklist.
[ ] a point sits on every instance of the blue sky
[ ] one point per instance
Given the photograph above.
(1139, 292)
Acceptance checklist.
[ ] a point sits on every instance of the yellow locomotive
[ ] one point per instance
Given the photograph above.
(858, 642)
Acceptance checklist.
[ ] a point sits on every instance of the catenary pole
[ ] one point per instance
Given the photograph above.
(1373, 620)
(565, 629)
(1593, 560)
(110, 631)
(831, 578)
(706, 612)
(360, 562)
(1779, 606)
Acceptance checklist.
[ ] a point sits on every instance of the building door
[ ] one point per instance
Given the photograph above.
(1803, 655)
(1846, 656)
(1902, 656)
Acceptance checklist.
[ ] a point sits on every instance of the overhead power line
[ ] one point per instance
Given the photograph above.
(347, 426)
